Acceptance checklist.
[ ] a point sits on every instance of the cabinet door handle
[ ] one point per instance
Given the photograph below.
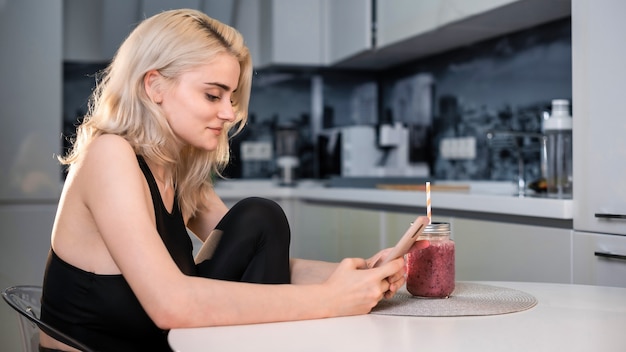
(610, 216)
(610, 255)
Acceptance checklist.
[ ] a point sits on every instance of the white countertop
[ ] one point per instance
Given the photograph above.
(486, 197)
(567, 318)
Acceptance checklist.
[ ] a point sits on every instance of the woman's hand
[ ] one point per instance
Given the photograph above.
(380, 256)
(356, 289)
(399, 278)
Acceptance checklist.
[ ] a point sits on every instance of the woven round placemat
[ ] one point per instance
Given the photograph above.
(467, 299)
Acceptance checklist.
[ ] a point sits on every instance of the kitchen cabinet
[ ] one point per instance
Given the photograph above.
(318, 32)
(399, 20)
(489, 250)
(599, 144)
(599, 259)
(485, 250)
(364, 34)
(599, 126)
(94, 30)
(329, 232)
(290, 32)
(407, 30)
(277, 32)
(349, 29)
(315, 236)
(304, 32)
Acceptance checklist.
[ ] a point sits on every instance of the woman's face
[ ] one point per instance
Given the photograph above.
(199, 104)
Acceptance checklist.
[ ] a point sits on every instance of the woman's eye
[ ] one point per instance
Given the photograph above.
(211, 97)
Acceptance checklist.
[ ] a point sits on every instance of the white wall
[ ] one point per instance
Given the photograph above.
(30, 127)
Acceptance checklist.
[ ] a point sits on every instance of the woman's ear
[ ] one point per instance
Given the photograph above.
(152, 83)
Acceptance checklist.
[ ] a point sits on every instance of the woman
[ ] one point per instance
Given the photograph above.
(120, 272)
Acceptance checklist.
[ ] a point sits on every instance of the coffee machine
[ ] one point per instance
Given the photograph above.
(378, 151)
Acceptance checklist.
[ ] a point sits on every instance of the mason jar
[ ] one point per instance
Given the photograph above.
(430, 270)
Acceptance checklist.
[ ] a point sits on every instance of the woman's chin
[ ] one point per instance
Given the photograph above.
(209, 147)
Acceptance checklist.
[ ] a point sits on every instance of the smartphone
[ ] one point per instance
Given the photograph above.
(406, 241)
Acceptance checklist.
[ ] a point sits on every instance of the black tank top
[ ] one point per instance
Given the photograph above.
(102, 311)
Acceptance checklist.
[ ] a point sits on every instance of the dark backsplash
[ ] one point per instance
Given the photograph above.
(505, 83)
(501, 84)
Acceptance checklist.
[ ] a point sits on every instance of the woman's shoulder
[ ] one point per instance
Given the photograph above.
(109, 147)
(107, 152)
(109, 162)
(109, 143)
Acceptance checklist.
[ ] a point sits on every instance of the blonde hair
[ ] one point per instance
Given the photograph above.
(171, 42)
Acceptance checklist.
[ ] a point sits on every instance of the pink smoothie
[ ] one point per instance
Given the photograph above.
(430, 271)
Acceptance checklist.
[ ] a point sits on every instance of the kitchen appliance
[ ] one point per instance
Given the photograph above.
(329, 155)
(362, 154)
(557, 153)
(287, 160)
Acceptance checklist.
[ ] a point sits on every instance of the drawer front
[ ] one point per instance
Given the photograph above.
(599, 259)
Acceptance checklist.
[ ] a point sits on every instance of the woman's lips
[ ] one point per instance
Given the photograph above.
(216, 130)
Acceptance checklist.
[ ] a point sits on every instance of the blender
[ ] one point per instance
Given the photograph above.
(287, 160)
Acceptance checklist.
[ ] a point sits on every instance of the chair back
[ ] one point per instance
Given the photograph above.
(26, 301)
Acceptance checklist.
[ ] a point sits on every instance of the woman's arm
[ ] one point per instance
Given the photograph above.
(306, 272)
(313, 271)
(205, 221)
(121, 208)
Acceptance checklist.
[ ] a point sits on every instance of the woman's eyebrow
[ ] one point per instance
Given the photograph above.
(221, 85)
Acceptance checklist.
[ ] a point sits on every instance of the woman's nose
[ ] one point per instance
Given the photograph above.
(226, 111)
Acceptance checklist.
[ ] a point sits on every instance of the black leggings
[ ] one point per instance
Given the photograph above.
(254, 246)
(46, 349)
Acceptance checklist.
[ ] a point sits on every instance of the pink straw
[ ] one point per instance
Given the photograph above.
(428, 210)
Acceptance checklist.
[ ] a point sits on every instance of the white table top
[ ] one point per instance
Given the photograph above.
(567, 318)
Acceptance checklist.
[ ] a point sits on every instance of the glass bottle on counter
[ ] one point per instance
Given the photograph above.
(430, 271)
